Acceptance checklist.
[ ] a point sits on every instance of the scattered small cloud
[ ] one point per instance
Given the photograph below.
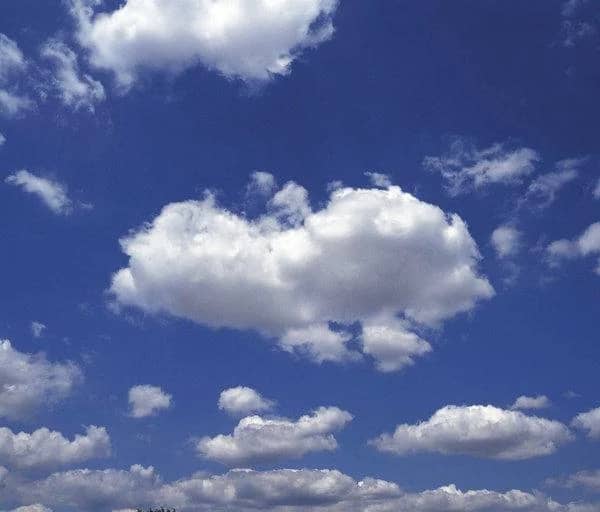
(506, 241)
(378, 179)
(37, 329)
(543, 190)
(531, 402)
(590, 422)
(146, 400)
(52, 193)
(75, 89)
(588, 243)
(465, 167)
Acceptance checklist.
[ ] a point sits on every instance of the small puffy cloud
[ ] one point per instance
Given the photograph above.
(589, 421)
(37, 329)
(506, 241)
(43, 448)
(75, 89)
(378, 258)
(252, 41)
(2, 140)
(531, 402)
(30, 381)
(304, 490)
(480, 431)
(256, 439)
(596, 191)
(465, 167)
(52, 193)
(392, 344)
(145, 400)
(589, 480)
(543, 190)
(588, 243)
(262, 183)
(242, 400)
(378, 179)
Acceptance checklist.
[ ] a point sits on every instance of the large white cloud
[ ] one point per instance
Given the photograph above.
(248, 39)
(465, 167)
(381, 258)
(480, 431)
(282, 490)
(44, 448)
(588, 243)
(243, 400)
(29, 382)
(589, 421)
(146, 400)
(257, 439)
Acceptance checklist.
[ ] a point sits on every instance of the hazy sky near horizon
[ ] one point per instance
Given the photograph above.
(299, 255)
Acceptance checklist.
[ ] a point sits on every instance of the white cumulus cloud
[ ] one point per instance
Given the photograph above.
(465, 167)
(251, 40)
(480, 431)
(146, 400)
(256, 439)
(543, 190)
(52, 193)
(243, 400)
(30, 381)
(589, 421)
(44, 448)
(303, 277)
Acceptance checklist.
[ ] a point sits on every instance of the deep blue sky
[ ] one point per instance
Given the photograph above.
(396, 82)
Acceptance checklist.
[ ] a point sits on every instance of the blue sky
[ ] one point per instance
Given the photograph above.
(331, 243)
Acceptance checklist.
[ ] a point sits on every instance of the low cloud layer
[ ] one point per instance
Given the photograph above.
(479, 431)
(29, 382)
(252, 40)
(256, 439)
(377, 257)
(278, 491)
